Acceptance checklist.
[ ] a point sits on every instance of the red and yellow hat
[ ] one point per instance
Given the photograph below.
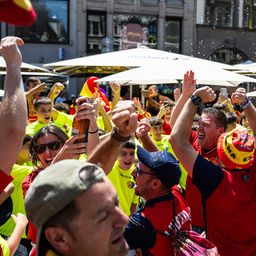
(235, 149)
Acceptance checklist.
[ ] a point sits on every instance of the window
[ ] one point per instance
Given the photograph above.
(131, 30)
(96, 32)
(228, 56)
(52, 25)
(172, 35)
(219, 13)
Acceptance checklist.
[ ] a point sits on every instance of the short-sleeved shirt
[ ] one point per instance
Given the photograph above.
(19, 172)
(5, 180)
(158, 215)
(230, 206)
(4, 250)
(63, 121)
(124, 184)
(193, 195)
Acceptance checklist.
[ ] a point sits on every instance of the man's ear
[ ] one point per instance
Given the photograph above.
(220, 130)
(155, 184)
(59, 238)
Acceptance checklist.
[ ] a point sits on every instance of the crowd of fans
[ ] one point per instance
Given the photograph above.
(144, 176)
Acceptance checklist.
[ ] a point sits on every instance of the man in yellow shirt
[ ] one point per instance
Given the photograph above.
(121, 178)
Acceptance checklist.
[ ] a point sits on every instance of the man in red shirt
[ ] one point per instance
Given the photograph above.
(212, 124)
(228, 192)
(156, 178)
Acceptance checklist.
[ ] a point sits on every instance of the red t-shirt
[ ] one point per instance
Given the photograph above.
(193, 195)
(160, 215)
(166, 128)
(5, 180)
(230, 207)
(32, 230)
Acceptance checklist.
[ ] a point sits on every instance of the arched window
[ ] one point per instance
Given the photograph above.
(228, 55)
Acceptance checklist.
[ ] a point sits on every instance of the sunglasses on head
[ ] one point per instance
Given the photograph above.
(53, 145)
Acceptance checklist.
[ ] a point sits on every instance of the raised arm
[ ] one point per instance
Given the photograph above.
(188, 87)
(125, 120)
(142, 132)
(239, 97)
(116, 89)
(179, 138)
(13, 110)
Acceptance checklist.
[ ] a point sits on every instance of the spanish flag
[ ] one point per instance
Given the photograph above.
(90, 87)
(17, 12)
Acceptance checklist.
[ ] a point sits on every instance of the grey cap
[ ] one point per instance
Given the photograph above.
(57, 186)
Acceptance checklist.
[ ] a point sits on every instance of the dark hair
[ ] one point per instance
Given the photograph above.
(128, 144)
(155, 121)
(26, 139)
(62, 107)
(231, 117)
(31, 79)
(220, 106)
(219, 116)
(52, 129)
(42, 101)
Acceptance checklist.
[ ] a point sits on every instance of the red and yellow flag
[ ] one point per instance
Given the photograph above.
(17, 12)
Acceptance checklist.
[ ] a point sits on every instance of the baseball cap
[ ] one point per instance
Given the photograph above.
(163, 164)
(54, 188)
(236, 148)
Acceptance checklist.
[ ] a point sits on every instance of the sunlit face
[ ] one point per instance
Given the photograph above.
(208, 133)
(48, 155)
(143, 176)
(126, 158)
(98, 229)
(156, 132)
(44, 113)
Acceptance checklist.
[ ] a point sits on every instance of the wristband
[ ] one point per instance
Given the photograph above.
(196, 100)
(245, 103)
(118, 137)
(93, 131)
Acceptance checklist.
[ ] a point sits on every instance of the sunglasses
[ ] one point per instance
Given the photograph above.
(40, 148)
(138, 172)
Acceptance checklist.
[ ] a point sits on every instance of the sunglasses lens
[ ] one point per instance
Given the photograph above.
(55, 145)
(40, 148)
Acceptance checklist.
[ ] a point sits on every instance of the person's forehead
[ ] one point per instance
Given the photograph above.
(144, 167)
(47, 137)
(207, 118)
(45, 106)
(127, 150)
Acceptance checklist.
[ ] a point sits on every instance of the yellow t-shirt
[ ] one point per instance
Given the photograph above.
(4, 247)
(164, 144)
(124, 184)
(19, 172)
(63, 121)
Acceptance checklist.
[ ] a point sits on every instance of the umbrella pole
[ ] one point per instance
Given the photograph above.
(142, 97)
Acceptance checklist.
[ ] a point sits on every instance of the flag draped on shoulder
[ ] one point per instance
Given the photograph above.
(17, 12)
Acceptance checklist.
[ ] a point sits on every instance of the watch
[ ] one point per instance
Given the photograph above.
(196, 100)
(118, 137)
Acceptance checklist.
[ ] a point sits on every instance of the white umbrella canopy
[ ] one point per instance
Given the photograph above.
(24, 67)
(175, 70)
(118, 61)
(251, 94)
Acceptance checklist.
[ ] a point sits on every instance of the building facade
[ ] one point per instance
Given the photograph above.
(211, 29)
